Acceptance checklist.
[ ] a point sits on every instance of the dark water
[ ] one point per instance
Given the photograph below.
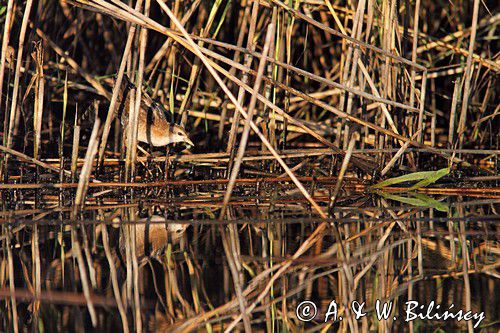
(444, 249)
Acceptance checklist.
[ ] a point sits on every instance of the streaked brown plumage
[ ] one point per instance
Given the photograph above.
(153, 127)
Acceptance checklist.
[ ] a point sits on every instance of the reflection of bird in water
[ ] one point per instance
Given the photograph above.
(153, 127)
(152, 235)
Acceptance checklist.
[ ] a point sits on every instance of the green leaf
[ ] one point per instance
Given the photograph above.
(432, 179)
(432, 203)
(425, 177)
(419, 200)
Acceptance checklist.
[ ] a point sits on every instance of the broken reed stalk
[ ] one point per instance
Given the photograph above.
(117, 88)
(398, 154)
(468, 76)
(465, 266)
(5, 46)
(19, 60)
(12, 286)
(86, 171)
(343, 169)
(75, 146)
(39, 95)
(138, 98)
(131, 132)
(416, 18)
(135, 275)
(37, 281)
(453, 112)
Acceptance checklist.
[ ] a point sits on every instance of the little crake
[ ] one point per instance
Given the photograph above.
(153, 127)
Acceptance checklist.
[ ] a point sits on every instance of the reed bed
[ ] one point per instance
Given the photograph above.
(344, 150)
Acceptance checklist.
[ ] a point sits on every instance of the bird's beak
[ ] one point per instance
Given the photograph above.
(189, 142)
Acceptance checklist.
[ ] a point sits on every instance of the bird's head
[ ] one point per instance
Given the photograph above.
(178, 134)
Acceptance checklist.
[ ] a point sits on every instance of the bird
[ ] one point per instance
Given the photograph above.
(153, 127)
(153, 234)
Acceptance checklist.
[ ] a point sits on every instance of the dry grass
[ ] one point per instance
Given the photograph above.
(298, 109)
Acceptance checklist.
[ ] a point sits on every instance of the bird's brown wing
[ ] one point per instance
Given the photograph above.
(151, 105)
